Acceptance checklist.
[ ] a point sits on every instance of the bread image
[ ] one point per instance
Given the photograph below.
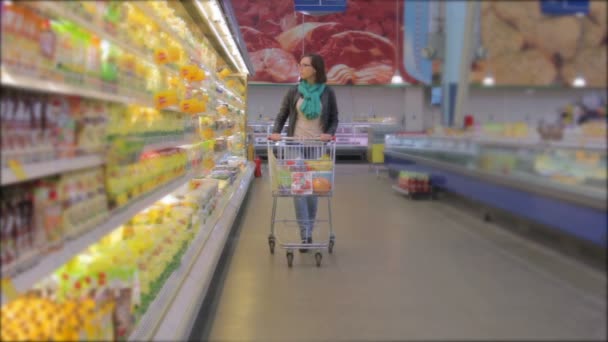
(596, 27)
(530, 67)
(598, 11)
(591, 64)
(499, 37)
(518, 13)
(527, 47)
(555, 35)
(487, 6)
(593, 34)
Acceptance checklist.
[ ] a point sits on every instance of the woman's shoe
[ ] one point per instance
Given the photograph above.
(304, 250)
(305, 241)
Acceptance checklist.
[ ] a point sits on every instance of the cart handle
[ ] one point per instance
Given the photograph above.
(333, 138)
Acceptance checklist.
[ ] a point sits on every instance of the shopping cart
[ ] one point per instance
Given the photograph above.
(301, 168)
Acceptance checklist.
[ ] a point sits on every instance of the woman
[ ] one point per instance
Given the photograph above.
(313, 113)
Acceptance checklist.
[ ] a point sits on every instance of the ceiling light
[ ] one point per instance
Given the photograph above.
(397, 79)
(579, 82)
(488, 81)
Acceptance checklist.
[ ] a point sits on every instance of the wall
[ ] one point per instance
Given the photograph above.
(412, 104)
(354, 102)
(511, 104)
(520, 104)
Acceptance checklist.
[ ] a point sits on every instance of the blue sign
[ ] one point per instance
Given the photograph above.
(319, 7)
(564, 7)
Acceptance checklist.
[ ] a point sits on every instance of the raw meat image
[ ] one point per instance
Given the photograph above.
(360, 46)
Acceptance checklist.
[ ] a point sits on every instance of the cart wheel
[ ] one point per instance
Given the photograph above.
(289, 259)
(318, 257)
(271, 244)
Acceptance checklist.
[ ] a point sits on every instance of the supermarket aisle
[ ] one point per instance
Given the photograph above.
(402, 270)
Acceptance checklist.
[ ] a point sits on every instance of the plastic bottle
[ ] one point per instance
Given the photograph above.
(93, 61)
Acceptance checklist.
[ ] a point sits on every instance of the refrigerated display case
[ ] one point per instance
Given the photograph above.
(351, 137)
(560, 185)
(123, 165)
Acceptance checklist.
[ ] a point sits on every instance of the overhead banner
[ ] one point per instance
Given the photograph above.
(360, 45)
(528, 47)
(417, 29)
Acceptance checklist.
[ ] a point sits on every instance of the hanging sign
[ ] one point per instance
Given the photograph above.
(564, 7)
(320, 7)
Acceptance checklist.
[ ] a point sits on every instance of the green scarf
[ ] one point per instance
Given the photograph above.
(311, 106)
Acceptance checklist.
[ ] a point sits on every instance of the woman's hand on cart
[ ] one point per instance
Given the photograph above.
(275, 137)
(326, 137)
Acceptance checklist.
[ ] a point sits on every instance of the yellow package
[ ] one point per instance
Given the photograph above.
(164, 99)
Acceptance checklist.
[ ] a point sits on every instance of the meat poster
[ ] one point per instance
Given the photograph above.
(527, 47)
(360, 46)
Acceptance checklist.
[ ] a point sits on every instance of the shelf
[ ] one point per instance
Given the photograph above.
(167, 29)
(12, 79)
(59, 11)
(186, 45)
(52, 167)
(171, 32)
(51, 261)
(165, 144)
(170, 316)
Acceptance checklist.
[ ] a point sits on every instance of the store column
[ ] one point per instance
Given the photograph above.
(459, 41)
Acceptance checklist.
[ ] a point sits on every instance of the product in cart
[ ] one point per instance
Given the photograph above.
(322, 182)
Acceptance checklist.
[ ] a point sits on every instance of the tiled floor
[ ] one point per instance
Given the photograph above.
(401, 270)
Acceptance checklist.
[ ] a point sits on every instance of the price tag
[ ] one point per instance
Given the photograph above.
(17, 169)
(8, 289)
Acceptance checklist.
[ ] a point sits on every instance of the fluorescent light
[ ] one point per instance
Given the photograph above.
(579, 82)
(212, 13)
(169, 199)
(488, 81)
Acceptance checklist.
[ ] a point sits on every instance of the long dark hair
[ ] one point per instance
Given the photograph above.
(318, 64)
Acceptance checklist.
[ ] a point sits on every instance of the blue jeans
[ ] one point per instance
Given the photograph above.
(306, 213)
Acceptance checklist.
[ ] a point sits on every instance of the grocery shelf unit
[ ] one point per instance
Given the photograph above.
(172, 313)
(557, 185)
(29, 277)
(204, 250)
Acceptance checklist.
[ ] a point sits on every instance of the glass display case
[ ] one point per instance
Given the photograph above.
(571, 169)
(556, 184)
